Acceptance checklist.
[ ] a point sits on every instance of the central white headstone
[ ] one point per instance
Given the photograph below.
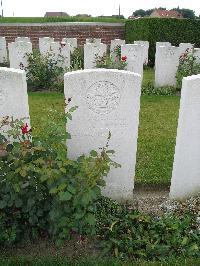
(92, 52)
(22, 39)
(186, 169)
(72, 42)
(3, 50)
(166, 65)
(18, 54)
(108, 101)
(115, 44)
(45, 44)
(135, 57)
(13, 93)
(145, 45)
(61, 53)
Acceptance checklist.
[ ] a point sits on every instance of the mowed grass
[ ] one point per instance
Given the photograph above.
(157, 131)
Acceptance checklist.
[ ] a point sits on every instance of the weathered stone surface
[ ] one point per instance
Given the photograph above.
(18, 54)
(108, 101)
(61, 53)
(113, 46)
(166, 65)
(135, 57)
(186, 169)
(3, 50)
(91, 52)
(13, 94)
(44, 44)
(146, 50)
(185, 46)
(22, 39)
(72, 42)
(162, 44)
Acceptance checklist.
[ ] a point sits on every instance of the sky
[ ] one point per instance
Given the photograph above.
(37, 8)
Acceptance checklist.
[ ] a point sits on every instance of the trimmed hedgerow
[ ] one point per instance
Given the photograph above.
(163, 30)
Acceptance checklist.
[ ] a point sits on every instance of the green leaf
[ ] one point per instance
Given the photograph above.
(65, 196)
(90, 219)
(18, 203)
(2, 204)
(93, 153)
(68, 136)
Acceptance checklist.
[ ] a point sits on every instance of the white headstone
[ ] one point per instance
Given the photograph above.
(13, 93)
(146, 50)
(18, 54)
(44, 44)
(186, 169)
(115, 44)
(61, 53)
(92, 52)
(3, 50)
(158, 44)
(107, 100)
(185, 46)
(166, 65)
(135, 56)
(72, 42)
(93, 40)
(22, 39)
(197, 54)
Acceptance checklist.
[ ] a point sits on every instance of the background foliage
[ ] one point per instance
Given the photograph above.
(170, 30)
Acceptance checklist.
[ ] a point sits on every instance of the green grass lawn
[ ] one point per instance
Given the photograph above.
(157, 131)
(58, 19)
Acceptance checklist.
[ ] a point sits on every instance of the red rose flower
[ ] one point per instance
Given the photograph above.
(124, 58)
(25, 129)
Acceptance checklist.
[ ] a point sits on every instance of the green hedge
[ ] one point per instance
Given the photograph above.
(163, 30)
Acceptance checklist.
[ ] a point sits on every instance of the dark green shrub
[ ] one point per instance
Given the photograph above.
(128, 233)
(150, 89)
(163, 30)
(42, 192)
(44, 72)
(188, 66)
(77, 59)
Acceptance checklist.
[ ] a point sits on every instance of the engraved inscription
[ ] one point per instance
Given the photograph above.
(103, 97)
(169, 53)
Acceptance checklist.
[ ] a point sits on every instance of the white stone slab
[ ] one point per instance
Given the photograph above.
(44, 44)
(162, 44)
(135, 57)
(18, 54)
(93, 40)
(197, 54)
(146, 50)
(185, 46)
(61, 53)
(166, 65)
(116, 43)
(13, 93)
(3, 50)
(22, 39)
(72, 42)
(186, 169)
(91, 53)
(107, 100)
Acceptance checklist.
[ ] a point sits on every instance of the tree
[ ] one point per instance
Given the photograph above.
(139, 13)
(186, 13)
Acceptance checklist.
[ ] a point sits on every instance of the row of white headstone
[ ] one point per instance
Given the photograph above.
(136, 54)
(167, 61)
(109, 101)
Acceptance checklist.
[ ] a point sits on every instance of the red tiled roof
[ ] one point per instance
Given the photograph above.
(168, 13)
